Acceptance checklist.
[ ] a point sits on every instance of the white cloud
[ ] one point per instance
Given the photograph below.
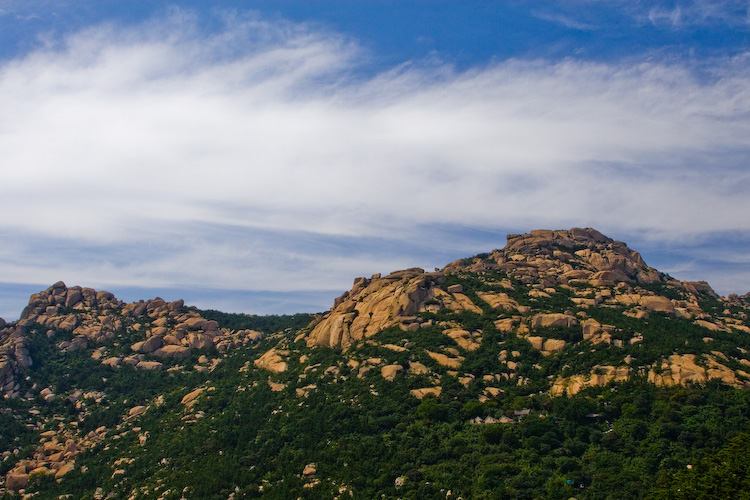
(130, 150)
(700, 12)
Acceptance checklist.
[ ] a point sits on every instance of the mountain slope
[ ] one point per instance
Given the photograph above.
(561, 365)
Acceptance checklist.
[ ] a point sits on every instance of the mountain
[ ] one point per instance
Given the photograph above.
(559, 366)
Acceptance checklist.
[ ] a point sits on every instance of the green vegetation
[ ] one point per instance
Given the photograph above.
(267, 323)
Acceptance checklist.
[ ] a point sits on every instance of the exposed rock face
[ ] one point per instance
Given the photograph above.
(390, 372)
(557, 257)
(272, 361)
(373, 305)
(427, 391)
(555, 319)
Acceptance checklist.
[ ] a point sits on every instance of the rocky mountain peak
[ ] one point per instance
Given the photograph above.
(556, 257)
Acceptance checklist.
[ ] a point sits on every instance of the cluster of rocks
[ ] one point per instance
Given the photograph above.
(55, 455)
(563, 257)
(375, 304)
(598, 272)
(14, 358)
(166, 330)
(545, 258)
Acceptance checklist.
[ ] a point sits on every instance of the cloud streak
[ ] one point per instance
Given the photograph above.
(166, 154)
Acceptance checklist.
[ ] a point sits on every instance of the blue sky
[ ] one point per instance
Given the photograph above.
(257, 156)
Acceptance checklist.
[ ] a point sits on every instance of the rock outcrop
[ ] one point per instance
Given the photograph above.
(375, 304)
(561, 257)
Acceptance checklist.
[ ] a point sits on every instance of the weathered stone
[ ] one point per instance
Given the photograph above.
(73, 297)
(15, 481)
(191, 397)
(464, 338)
(173, 351)
(555, 319)
(113, 361)
(272, 361)
(427, 391)
(148, 365)
(310, 470)
(64, 469)
(417, 368)
(149, 345)
(442, 359)
(657, 303)
(199, 341)
(389, 372)
(103, 296)
(498, 300)
(137, 410)
(373, 305)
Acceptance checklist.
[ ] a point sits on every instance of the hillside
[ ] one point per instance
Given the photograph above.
(559, 366)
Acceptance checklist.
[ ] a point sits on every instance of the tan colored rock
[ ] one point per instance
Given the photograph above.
(38, 472)
(191, 397)
(553, 345)
(148, 365)
(464, 304)
(303, 392)
(68, 323)
(464, 338)
(427, 391)
(506, 324)
(64, 469)
(717, 370)
(417, 368)
(715, 327)
(15, 481)
(498, 300)
(554, 319)
(444, 360)
(536, 342)
(394, 347)
(149, 345)
(389, 372)
(372, 305)
(173, 351)
(678, 369)
(137, 410)
(50, 447)
(493, 391)
(657, 303)
(628, 299)
(276, 386)
(272, 361)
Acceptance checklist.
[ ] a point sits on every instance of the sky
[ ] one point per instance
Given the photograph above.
(258, 156)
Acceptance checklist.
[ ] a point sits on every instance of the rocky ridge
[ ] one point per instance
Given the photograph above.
(592, 270)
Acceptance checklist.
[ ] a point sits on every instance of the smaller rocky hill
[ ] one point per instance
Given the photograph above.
(142, 334)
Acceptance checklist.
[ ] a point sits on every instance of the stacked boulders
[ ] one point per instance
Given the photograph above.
(552, 258)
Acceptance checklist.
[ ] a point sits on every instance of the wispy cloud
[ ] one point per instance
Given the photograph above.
(565, 20)
(700, 12)
(163, 154)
